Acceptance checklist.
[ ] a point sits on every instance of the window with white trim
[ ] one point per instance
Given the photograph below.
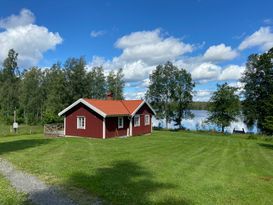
(147, 119)
(120, 122)
(80, 122)
(137, 120)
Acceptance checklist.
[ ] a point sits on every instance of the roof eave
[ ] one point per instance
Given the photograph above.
(81, 100)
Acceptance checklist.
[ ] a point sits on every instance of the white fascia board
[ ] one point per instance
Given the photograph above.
(144, 102)
(85, 103)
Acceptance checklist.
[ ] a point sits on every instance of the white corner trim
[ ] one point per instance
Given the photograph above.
(131, 126)
(64, 126)
(81, 100)
(143, 102)
(103, 128)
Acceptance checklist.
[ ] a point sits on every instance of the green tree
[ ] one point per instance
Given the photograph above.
(96, 83)
(76, 82)
(115, 84)
(170, 92)
(258, 88)
(9, 84)
(32, 95)
(56, 95)
(224, 106)
(268, 121)
(182, 96)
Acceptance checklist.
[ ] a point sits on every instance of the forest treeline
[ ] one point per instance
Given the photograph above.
(199, 105)
(171, 89)
(38, 94)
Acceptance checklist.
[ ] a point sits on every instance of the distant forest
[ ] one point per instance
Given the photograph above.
(199, 105)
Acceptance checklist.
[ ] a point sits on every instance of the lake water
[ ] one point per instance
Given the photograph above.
(198, 123)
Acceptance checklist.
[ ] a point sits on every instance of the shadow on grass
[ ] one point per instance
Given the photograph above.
(268, 146)
(125, 182)
(17, 145)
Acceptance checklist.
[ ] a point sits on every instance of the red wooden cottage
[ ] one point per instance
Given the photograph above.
(107, 118)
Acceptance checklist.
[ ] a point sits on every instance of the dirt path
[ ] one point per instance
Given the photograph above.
(39, 193)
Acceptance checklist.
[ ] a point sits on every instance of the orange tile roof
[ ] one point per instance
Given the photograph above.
(115, 107)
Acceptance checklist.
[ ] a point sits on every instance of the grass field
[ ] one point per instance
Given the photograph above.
(164, 168)
(6, 130)
(9, 196)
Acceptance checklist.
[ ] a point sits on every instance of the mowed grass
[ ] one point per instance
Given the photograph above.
(164, 168)
(9, 196)
(6, 130)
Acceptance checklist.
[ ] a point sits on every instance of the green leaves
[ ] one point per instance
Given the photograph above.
(115, 84)
(38, 95)
(224, 106)
(170, 92)
(258, 88)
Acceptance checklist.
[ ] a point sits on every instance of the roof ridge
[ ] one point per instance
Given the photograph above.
(125, 106)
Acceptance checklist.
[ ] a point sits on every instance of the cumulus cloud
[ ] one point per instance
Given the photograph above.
(206, 71)
(202, 95)
(263, 38)
(134, 95)
(150, 47)
(95, 34)
(141, 52)
(24, 18)
(232, 72)
(220, 52)
(26, 38)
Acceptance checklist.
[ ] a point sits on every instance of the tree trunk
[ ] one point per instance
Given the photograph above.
(167, 126)
(223, 129)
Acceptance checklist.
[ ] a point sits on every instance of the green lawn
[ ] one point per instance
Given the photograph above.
(6, 130)
(164, 168)
(9, 196)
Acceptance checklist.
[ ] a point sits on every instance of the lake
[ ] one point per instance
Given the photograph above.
(198, 123)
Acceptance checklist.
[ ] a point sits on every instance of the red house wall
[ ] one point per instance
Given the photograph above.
(143, 129)
(111, 125)
(94, 122)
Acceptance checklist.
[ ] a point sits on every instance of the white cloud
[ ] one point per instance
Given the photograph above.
(141, 52)
(151, 48)
(263, 38)
(220, 52)
(25, 17)
(232, 72)
(134, 95)
(95, 34)
(136, 71)
(206, 71)
(26, 38)
(202, 95)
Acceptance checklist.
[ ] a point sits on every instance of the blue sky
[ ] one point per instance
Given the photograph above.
(211, 39)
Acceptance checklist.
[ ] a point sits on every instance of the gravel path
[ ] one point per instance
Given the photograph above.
(39, 193)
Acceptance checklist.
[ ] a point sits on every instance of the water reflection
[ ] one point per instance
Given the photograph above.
(198, 123)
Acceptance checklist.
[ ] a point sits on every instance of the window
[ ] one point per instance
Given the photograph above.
(120, 122)
(147, 119)
(137, 121)
(80, 122)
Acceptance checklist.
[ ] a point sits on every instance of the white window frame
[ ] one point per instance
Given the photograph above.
(122, 124)
(137, 122)
(79, 123)
(147, 120)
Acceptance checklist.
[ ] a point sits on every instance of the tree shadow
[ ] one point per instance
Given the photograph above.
(125, 182)
(268, 146)
(12, 146)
